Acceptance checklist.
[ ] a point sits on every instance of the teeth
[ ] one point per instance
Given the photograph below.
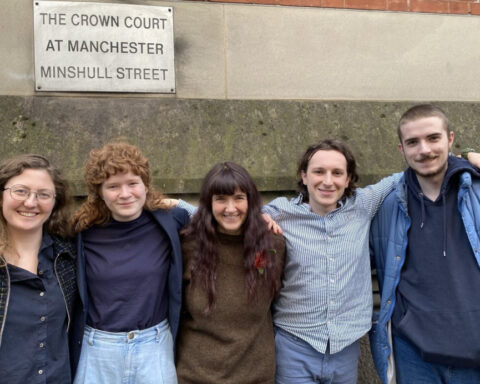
(27, 214)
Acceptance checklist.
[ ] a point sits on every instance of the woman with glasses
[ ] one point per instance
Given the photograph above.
(130, 272)
(37, 272)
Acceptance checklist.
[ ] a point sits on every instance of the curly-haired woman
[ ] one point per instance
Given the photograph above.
(130, 271)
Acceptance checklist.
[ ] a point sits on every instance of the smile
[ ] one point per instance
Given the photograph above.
(27, 214)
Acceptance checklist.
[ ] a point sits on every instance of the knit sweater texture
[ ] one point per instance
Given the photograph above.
(234, 342)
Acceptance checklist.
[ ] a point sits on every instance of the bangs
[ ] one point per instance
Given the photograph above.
(225, 183)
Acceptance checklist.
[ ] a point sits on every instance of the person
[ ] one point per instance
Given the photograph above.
(37, 272)
(129, 272)
(232, 271)
(425, 243)
(325, 303)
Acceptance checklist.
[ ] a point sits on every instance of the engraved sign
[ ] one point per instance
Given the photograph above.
(103, 47)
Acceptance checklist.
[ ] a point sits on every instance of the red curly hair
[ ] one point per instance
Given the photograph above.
(109, 160)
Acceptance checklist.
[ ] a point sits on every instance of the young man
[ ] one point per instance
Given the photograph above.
(325, 303)
(425, 243)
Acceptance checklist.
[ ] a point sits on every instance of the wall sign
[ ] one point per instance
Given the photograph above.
(103, 47)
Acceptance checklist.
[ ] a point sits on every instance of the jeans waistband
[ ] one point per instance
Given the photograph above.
(135, 336)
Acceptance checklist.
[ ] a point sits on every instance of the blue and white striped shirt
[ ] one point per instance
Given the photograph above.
(327, 290)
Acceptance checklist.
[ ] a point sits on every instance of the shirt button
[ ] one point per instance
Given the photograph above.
(41, 345)
(398, 257)
(332, 281)
(40, 272)
(389, 301)
(42, 318)
(42, 294)
(40, 371)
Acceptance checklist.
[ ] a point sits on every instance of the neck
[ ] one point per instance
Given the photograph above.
(23, 249)
(431, 185)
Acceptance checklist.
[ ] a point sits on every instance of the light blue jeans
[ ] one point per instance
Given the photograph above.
(299, 363)
(136, 357)
(412, 369)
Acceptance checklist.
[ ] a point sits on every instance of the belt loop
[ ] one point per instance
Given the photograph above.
(90, 336)
(157, 329)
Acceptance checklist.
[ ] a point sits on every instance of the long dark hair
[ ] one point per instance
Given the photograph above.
(224, 179)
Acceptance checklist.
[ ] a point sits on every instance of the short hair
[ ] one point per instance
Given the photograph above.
(109, 160)
(421, 111)
(58, 222)
(328, 145)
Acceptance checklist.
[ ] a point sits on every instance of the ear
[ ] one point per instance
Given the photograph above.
(451, 136)
(400, 148)
(304, 177)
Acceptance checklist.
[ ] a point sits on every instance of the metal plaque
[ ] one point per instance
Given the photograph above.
(103, 47)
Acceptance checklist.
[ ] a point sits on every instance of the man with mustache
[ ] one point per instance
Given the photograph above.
(425, 243)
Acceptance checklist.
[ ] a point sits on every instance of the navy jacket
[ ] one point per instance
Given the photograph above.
(172, 221)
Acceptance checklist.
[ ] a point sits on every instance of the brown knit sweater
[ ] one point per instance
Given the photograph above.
(234, 343)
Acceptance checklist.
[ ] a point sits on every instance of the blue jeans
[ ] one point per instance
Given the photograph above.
(410, 368)
(299, 363)
(136, 357)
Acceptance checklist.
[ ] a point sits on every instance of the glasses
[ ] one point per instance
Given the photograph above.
(22, 193)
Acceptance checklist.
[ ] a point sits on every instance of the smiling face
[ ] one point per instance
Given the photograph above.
(326, 179)
(230, 212)
(124, 195)
(28, 215)
(425, 145)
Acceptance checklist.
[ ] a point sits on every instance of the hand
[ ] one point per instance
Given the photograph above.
(170, 203)
(474, 158)
(272, 224)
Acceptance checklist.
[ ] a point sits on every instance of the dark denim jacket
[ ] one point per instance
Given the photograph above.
(65, 271)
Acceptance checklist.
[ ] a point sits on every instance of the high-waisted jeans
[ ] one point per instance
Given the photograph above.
(136, 357)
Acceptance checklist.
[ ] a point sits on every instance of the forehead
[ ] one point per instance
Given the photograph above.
(33, 178)
(423, 127)
(329, 159)
(122, 177)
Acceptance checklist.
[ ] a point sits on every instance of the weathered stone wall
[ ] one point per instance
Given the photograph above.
(184, 138)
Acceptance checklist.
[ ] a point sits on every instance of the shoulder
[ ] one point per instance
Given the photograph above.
(278, 242)
(178, 215)
(64, 246)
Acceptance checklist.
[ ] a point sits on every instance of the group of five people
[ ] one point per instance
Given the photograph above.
(158, 291)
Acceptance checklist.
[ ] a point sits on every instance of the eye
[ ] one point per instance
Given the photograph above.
(21, 191)
(45, 195)
(338, 173)
(112, 187)
(240, 197)
(218, 198)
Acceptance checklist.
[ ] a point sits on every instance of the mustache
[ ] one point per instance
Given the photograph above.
(426, 157)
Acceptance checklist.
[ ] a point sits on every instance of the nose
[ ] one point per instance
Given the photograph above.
(124, 191)
(230, 206)
(327, 179)
(424, 147)
(31, 200)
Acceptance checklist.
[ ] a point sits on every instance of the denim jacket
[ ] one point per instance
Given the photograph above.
(388, 245)
(65, 271)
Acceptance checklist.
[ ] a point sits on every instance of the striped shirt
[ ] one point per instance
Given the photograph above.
(327, 290)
